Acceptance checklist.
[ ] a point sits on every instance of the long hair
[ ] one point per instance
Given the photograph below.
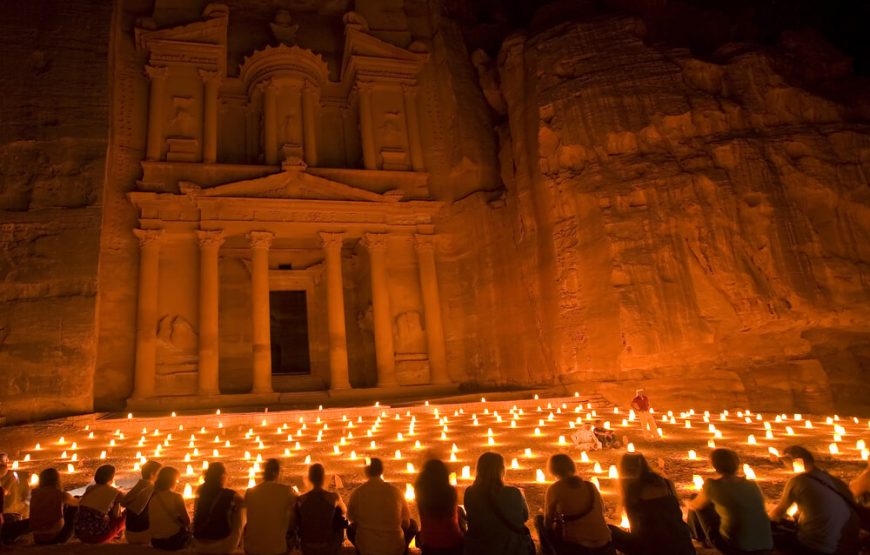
(435, 496)
(562, 467)
(49, 478)
(211, 483)
(636, 474)
(490, 473)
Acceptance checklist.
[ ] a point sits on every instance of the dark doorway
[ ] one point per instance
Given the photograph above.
(289, 332)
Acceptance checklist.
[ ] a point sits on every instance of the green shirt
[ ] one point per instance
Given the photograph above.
(740, 506)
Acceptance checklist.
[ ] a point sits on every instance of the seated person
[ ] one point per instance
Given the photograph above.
(135, 503)
(729, 513)
(380, 519)
(15, 509)
(270, 513)
(218, 519)
(860, 487)
(99, 518)
(826, 521)
(606, 437)
(441, 519)
(52, 510)
(573, 521)
(169, 522)
(653, 510)
(584, 438)
(320, 516)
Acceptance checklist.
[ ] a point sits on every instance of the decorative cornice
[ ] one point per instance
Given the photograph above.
(156, 72)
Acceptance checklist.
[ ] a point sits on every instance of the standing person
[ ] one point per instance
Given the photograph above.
(135, 503)
(270, 513)
(573, 520)
(729, 513)
(641, 404)
(380, 521)
(653, 510)
(440, 519)
(52, 510)
(496, 513)
(218, 517)
(827, 521)
(169, 522)
(99, 518)
(320, 516)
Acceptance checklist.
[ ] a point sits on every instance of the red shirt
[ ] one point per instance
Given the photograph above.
(641, 403)
(440, 532)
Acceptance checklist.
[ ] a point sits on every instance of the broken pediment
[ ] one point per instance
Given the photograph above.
(212, 29)
(291, 184)
(365, 52)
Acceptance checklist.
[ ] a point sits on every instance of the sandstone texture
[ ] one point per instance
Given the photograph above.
(614, 211)
(54, 109)
(698, 227)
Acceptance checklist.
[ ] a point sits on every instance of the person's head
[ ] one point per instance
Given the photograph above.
(375, 468)
(598, 423)
(586, 426)
(317, 475)
(104, 474)
(271, 470)
(490, 472)
(725, 461)
(166, 479)
(633, 466)
(639, 392)
(797, 452)
(4, 464)
(150, 470)
(49, 478)
(561, 466)
(433, 491)
(215, 475)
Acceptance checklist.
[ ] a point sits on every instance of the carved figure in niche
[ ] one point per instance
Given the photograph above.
(408, 332)
(391, 129)
(291, 126)
(283, 28)
(176, 333)
(182, 124)
(365, 320)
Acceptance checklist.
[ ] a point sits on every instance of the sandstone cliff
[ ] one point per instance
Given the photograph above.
(701, 227)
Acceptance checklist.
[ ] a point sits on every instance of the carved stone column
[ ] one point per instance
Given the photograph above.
(261, 341)
(310, 103)
(156, 115)
(270, 123)
(338, 371)
(409, 94)
(211, 80)
(425, 247)
(146, 317)
(209, 247)
(376, 243)
(366, 124)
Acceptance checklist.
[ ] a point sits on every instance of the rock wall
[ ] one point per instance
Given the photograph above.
(53, 120)
(699, 227)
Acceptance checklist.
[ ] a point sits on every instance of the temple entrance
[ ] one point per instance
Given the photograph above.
(289, 333)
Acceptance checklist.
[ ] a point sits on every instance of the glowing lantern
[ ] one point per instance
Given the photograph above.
(466, 472)
(584, 457)
(71, 469)
(833, 448)
(792, 510)
(515, 464)
(630, 448)
(692, 455)
(539, 476)
(410, 468)
(594, 481)
(748, 472)
(597, 468)
(612, 473)
(623, 523)
(34, 480)
(698, 482)
(751, 440)
(711, 444)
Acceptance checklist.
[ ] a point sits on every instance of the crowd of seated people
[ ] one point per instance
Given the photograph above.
(728, 514)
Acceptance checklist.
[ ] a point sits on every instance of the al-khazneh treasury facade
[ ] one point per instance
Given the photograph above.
(281, 210)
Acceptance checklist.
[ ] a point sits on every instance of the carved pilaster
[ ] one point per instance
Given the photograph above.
(261, 241)
(209, 288)
(425, 247)
(409, 95)
(338, 366)
(156, 114)
(146, 312)
(211, 82)
(366, 123)
(376, 243)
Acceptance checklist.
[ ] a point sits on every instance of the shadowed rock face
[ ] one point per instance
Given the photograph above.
(618, 211)
(700, 227)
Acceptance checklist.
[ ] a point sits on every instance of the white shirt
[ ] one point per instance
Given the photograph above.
(270, 514)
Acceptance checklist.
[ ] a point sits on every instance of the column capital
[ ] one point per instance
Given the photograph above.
(365, 86)
(148, 237)
(265, 85)
(424, 242)
(156, 72)
(260, 239)
(332, 239)
(409, 89)
(375, 241)
(210, 238)
(209, 75)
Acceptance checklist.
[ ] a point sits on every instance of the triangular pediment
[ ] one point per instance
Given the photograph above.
(359, 43)
(211, 30)
(291, 184)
